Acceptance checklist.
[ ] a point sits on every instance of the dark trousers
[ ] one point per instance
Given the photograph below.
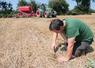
(81, 48)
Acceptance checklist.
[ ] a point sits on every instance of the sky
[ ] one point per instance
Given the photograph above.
(70, 2)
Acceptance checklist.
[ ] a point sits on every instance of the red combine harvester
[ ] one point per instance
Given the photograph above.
(25, 11)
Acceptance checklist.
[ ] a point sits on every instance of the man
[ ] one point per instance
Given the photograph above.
(76, 34)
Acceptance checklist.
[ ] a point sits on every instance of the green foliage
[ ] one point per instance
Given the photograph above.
(92, 11)
(60, 6)
(83, 7)
(6, 9)
(6, 14)
(22, 3)
(34, 5)
(77, 11)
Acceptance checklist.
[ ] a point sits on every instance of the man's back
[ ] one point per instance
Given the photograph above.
(77, 28)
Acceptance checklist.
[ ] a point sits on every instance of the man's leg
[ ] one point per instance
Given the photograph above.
(82, 49)
(76, 45)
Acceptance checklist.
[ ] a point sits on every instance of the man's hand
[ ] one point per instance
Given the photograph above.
(54, 47)
(62, 59)
(55, 35)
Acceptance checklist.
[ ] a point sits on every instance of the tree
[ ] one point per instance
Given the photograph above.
(5, 8)
(60, 6)
(83, 5)
(34, 5)
(22, 3)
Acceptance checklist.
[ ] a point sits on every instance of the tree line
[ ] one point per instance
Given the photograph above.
(82, 7)
(61, 6)
(5, 9)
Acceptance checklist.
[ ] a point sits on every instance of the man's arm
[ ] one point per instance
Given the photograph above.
(64, 37)
(68, 56)
(71, 42)
(54, 38)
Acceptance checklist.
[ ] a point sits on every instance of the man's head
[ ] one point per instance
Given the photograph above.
(56, 25)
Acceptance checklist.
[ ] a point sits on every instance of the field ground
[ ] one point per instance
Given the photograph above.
(25, 43)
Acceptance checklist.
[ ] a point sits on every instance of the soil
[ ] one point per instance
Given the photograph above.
(25, 43)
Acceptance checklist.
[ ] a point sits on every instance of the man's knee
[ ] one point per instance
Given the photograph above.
(82, 49)
(80, 52)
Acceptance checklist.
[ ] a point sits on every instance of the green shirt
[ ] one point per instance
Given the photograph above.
(78, 29)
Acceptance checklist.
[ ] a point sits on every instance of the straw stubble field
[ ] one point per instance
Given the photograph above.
(25, 43)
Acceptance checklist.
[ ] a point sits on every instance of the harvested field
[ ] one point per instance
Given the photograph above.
(25, 43)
